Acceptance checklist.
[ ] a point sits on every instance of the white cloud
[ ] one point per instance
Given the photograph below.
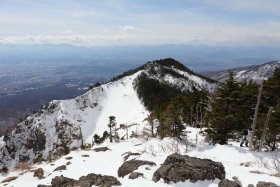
(74, 39)
(128, 28)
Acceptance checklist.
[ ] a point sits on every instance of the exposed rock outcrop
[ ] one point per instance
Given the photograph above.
(9, 179)
(59, 168)
(228, 183)
(84, 181)
(101, 149)
(178, 168)
(62, 181)
(266, 184)
(132, 165)
(128, 154)
(39, 173)
(97, 180)
(135, 175)
(31, 142)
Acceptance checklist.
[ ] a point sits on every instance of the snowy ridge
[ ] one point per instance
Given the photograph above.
(67, 121)
(66, 124)
(256, 73)
(197, 81)
(178, 78)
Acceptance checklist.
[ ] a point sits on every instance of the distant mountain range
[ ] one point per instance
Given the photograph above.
(255, 73)
(197, 57)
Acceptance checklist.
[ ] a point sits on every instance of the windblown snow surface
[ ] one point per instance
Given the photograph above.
(156, 150)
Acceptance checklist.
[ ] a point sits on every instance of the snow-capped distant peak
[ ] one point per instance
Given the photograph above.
(255, 73)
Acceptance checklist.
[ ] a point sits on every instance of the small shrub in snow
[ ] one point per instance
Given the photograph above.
(151, 150)
(65, 150)
(271, 163)
(4, 169)
(86, 146)
(23, 166)
(98, 140)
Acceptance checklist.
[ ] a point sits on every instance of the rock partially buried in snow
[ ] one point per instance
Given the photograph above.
(9, 179)
(266, 184)
(84, 181)
(97, 180)
(228, 183)
(235, 179)
(62, 181)
(101, 149)
(39, 173)
(135, 175)
(59, 168)
(128, 154)
(178, 168)
(132, 165)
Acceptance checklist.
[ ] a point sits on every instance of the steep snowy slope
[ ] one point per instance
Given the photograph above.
(66, 124)
(255, 73)
(155, 150)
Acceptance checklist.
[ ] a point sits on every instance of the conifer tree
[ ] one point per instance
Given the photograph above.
(171, 121)
(272, 137)
(272, 99)
(111, 124)
(225, 116)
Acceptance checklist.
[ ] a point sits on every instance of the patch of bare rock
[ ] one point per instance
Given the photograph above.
(101, 149)
(84, 181)
(132, 165)
(179, 168)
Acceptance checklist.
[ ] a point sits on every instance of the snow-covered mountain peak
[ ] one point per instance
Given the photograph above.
(67, 124)
(173, 72)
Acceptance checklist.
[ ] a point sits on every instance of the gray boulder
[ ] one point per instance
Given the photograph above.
(128, 154)
(84, 181)
(62, 181)
(97, 180)
(135, 175)
(228, 183)
(39, 173)
(266, 184)
(132, 165)
(178, 168)
(101, 149)
(59, 168)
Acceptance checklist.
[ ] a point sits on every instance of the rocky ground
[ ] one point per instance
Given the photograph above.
(153, 162)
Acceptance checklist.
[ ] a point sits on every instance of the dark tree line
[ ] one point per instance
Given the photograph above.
(232, 109)
(170, 105)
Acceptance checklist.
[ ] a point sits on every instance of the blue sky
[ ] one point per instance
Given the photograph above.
(145, 22)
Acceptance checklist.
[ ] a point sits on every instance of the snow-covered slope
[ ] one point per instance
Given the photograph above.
(65, 124)
(155, 150)
(255, 72)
